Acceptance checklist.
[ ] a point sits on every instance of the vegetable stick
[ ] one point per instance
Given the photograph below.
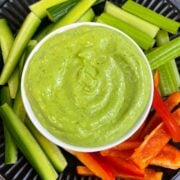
(39, 8)
(153, 143)
(56, 12)
(129, 18)
(96, 165)
(170, 78)
(11, 150)
(172, 101)
(27, 144)
(151, 146)
(164, 53)
(151, 174)
(141, 38)
(169, 157)
(84, 171)
(53, 153)
(6, 42)
(151, 16)
(26, 32)
(74, 14)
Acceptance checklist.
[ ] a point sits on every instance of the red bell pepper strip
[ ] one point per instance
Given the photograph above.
(151, 174)
(153, 143)
(172, 101)
(163, 111)
(95, 164)
(84, 171)
(169, 157)
(124, 166)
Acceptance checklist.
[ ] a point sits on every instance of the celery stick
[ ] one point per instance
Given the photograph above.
(11, 150)
(27, 144)
(27, 30)
(87, 16)
(6, 42)
(164, 53)
(39, 8)
(51, 150)
(141, 38)
(151, 16)
(18, 106)
(135, 21)
(58, 11)
(75, 13)
(169, 75)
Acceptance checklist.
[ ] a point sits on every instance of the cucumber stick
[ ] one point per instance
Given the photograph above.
(27, 144)
(169, 75)
(56, 12)
(6, 42)
(25, 33)
(88, 16)
(74, 14)
(51, 150)
(11, 150)
(40, 7)
(129, 18)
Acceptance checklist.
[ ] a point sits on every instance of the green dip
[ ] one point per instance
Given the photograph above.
(88, 86)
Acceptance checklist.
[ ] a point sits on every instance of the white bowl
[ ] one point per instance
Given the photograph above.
(51, 137)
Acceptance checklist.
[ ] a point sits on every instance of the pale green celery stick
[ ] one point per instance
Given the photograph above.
(6, 42)
(164, 53)
(18, 106)
(39, 8)
(129, 18)
(53, 153)
(151, 16)
(141, 38)
(169, 75)
(87, 16)
(25, 33)
(27, 144)
(11, 151)
(74, 14)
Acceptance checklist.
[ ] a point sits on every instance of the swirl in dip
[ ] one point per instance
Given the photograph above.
(88, 86)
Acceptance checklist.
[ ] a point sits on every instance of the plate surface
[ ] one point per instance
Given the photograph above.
(15, 11)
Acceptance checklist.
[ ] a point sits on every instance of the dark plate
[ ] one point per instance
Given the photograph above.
(15, 11)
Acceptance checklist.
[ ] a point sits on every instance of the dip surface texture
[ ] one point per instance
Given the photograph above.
(88, 86)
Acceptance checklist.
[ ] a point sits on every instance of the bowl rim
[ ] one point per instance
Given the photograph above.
(44, 131)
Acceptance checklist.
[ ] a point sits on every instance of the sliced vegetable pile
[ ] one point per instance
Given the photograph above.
(131, 159)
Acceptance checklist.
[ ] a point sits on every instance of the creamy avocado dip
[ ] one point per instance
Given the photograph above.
(88, 86)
